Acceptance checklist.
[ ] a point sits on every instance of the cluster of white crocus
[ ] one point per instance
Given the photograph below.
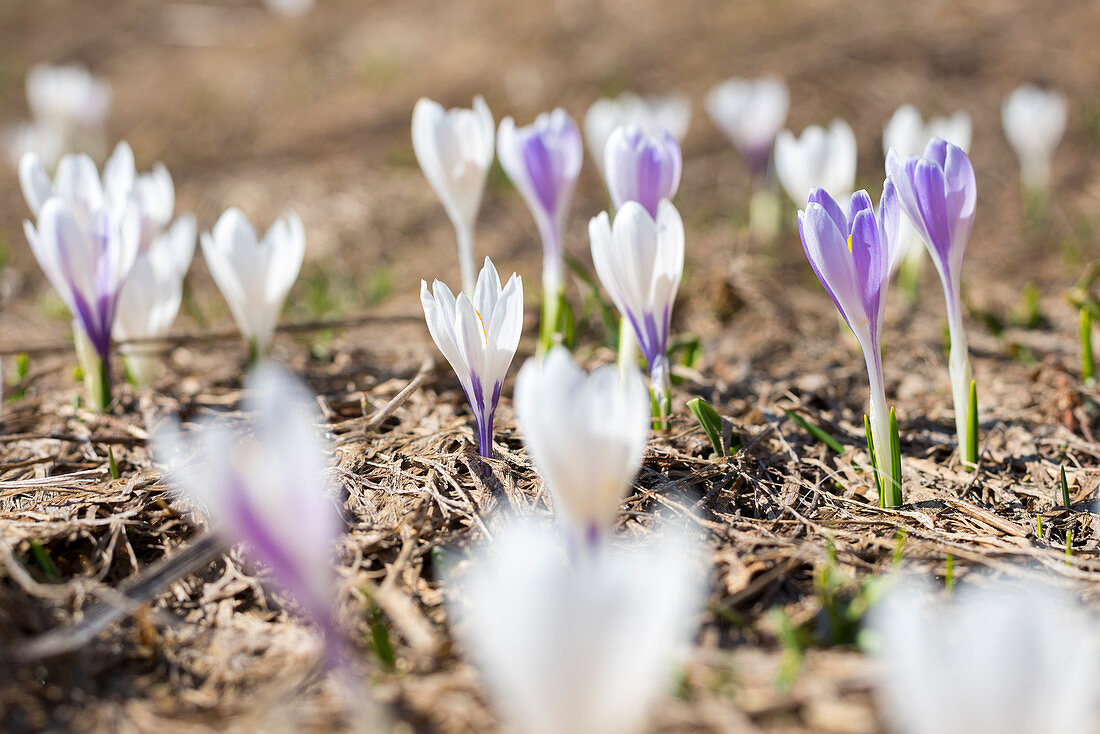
(1034, 120)
(1002, 657)
(651, 114)
(819, 158)
(909, 135)
(69, 107)
(254, 274)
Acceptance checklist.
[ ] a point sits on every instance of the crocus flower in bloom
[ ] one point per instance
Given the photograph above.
(152, 295)
(455, 151)
(852, 258)
(750, 112)
(478, 337)
(254, 275)
(938, 192)
(1034, 120)
(585, 647)
(69, 106)
(267, 489)
(543, 160)
(586, 435)
(641, 167)
(818, 159)
(652, 114)
(1003, 657)
(907, 133)
(640, 260)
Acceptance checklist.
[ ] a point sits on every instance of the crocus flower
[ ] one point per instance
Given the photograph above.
(1004, 657)
(69, 106)
(851, 256)
(478, 337)
(907, 133)
(938, 192)
(1034, 120)
(543, 160)
(640, 261)
(267, 489)
(750, 112)
(152, 295)
(818, 159)
(652, 114)
(586, 435)
(641, 167)
(455, 151)
(292, 9)
(254, 275)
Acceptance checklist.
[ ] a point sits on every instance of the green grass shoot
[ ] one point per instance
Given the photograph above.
(816, 431)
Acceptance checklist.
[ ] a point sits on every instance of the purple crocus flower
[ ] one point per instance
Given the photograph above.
(642, 168)
(938, 192)
(851, 256)
(267, 490)
(543, 160)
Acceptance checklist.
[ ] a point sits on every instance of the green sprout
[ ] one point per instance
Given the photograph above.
(1088, 365)
(972, 428)
(712, 424)
(817, 432)
(1065, 487)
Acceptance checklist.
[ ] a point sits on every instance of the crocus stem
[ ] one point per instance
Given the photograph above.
(764, 213)
(548, 327)
(628, 346)
(97, 380)
(958, 368)
(1088, 365)
(880, 426)
(104, 390)
(254, 352)
(660, 381)
(465, 237)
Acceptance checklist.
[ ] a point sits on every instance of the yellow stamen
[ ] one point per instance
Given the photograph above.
(849, 243)
(485, 332)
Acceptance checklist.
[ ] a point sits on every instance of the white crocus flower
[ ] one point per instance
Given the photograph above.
(820, 158)
(640, 261)
(255, 275)
(1034, 120)
(586, 435)
(651, 114)
(584, 647)
(750, 112)
(479, 338)
(907, 133)
(999, 659)
(69, 106)
(455, 151)
(152, 295)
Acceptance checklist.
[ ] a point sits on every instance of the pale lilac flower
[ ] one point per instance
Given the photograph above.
(579, 643)
(938, 192)
(479, 338)
(907, 133)
(543, 161)
(455, 151)
(255, 275)
(640, 261)
(586, 435)
(1002, 657)
(1034, 120)
(152, 295)
(851, 256)
(652, 114)
(820, 158)
(642, 167)
(267, 489)
(750, 112)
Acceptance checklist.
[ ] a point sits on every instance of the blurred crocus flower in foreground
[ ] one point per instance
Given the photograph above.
(908, 134)
(642, 167)
(69, 106)
(586, 435)
(640, 261)
(938, 192)
(750, 113)
(820, 158)
(152, 295)
(852, 257)
(1000, 658)
(292, 9)
(479, 337)
(584, 644)
(1034, 120)
(455, 151)
(267, 489)
(253, 274)
(543, 161)
(651, 114)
